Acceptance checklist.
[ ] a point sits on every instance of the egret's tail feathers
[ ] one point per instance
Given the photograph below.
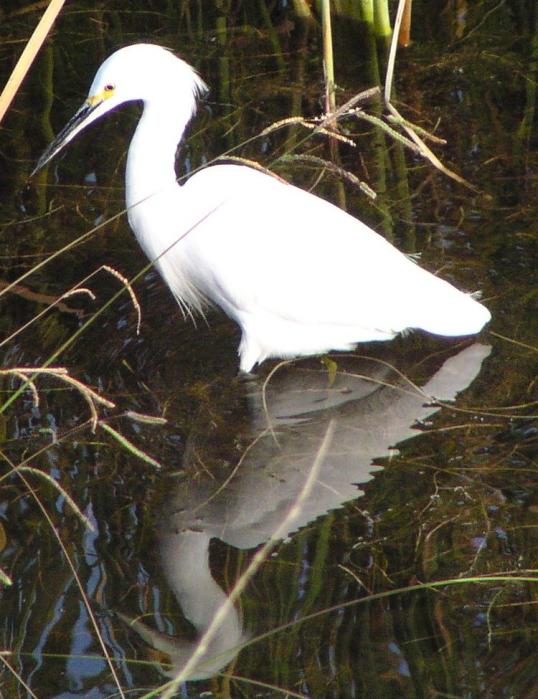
(459, 316)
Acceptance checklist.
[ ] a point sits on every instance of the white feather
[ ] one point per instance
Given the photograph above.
(298, 275)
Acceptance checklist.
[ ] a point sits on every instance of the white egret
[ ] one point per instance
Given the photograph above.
(299, 275)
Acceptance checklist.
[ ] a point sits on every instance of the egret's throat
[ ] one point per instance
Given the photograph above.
(152, 153)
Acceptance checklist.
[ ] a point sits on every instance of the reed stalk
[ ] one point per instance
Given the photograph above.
(302, 9)
(28, 55)
(404, 35)
(328, 57)
(382, 27)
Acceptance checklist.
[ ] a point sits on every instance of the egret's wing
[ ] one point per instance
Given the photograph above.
(276, 249)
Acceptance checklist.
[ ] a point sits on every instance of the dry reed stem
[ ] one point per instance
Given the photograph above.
(363, 96)
(259, 558)
(30, 219)
(78, 290)
(414, 143)
(312, 124)
(68, 499)
(253, 164)
(404, 35)
(127, 444)
(91, 398)
(26, 293)
(518, 343)
(427, 153)
(328, 57)
(28, 374)
(31, 385)
(424, 151)
(335, 135)
(15, 674)
(389, 75)
(187, 312)
(340, 171)
(419, 129)
(265, 404)
(377, 121)
(417, 390)
(146, 419)
(130, 291)
(28, 55)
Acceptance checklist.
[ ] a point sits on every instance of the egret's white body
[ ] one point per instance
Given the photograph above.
(299, 275)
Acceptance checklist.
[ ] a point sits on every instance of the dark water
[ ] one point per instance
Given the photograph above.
(408, 491)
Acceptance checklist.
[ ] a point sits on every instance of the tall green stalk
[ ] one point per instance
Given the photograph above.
(382, 27)
(328, 56)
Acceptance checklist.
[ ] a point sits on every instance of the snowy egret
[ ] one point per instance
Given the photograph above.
(299, 275)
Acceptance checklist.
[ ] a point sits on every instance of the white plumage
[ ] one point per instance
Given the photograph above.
(299, 275)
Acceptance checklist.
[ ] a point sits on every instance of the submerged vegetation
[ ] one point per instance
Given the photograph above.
(140, 474)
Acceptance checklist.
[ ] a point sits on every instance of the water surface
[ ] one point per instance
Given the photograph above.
(410, 489)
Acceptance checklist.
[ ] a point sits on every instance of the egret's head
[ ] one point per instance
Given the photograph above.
(143, 72)
(139, 72)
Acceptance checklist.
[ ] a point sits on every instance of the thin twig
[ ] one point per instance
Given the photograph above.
(377, 121)
(312, 124)
(342, 172)
(427, 153)
(134, 300)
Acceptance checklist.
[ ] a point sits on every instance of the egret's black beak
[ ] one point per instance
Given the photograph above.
(73, 126)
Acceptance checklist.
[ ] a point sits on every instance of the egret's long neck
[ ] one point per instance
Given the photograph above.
(151, 157)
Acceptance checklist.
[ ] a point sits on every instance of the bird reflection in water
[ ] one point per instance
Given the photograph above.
(371, 409)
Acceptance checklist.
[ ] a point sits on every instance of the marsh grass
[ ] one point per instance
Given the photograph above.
(102, 411)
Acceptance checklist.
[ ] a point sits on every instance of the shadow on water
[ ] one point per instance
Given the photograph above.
(430, 472)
